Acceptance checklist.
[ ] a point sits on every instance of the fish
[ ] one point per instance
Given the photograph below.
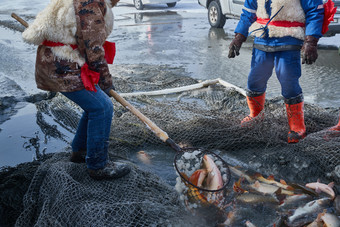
(294, 201)
(198, 177)
(252, 198)
(271, 180)
(237, 186)
(269, 189)
(302, 189)
(249, 224)
(193, 193)
(330, 220)
(144, 157)
(240, 173)
(213, 179)
(312, 207)
(320, 187)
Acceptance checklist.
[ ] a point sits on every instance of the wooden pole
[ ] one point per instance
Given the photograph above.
(22, 21)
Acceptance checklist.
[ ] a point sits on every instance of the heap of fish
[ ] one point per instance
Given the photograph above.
(311, 205)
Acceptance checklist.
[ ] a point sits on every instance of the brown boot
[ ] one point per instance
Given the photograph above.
(296, 119)
(78, 156)
(112, 170)
(256, 104)
(337, 127)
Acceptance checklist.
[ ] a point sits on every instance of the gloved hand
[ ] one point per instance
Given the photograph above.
(107, 90)
(309, 52)
(235, 45)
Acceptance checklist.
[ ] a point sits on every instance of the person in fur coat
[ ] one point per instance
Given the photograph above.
(283, 30)
(71, 59)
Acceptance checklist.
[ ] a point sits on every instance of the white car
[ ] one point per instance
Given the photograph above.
(220, 10)
(139, 4)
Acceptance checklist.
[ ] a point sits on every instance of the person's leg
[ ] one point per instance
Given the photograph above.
(94, 125)
(288, 70)
(98, 110)
(79, 142)
(261, 70)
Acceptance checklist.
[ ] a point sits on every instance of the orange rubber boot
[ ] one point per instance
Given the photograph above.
(337, 127)
(296, 122)
(256, 105)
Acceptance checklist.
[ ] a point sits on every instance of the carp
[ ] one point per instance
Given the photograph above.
(213, 179)
(271, 180)
(269, 189)
(312, 207)
(320, 187)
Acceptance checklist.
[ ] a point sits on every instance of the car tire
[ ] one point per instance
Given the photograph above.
(138, 4)
(172, 4)
(215, 16)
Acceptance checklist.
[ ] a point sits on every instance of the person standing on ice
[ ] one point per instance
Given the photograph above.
(281, 28)
(72, 58)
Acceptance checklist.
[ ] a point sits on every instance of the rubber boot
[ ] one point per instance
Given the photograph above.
(296, 120)
(337, 127)
(78, 156)
(112, 170)
(256, 104)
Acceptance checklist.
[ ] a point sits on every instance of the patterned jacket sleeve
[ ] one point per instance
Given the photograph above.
(91, 35)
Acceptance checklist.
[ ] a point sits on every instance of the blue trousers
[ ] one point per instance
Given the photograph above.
(94, 126)
(287, 67)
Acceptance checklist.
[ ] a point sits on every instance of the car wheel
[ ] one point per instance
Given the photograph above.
(138, 4)
(172, 4)
(215, 16)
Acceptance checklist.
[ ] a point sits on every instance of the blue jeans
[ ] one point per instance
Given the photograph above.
(94, 126)
(287, 67)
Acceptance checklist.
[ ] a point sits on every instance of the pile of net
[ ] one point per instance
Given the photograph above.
(61, 193)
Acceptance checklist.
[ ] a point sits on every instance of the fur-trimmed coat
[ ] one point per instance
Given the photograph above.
(86, 23)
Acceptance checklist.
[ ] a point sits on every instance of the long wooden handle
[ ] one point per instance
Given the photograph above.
(152, 126)
(22, 21)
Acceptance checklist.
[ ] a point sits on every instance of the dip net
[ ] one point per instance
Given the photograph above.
(60, 193)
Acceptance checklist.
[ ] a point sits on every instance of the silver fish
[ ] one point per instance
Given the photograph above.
(255, 198)
(315, 206)
(295, 201)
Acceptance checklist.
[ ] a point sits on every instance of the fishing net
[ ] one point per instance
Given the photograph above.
(62, 194)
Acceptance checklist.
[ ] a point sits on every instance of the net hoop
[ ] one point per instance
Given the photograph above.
(202, 153)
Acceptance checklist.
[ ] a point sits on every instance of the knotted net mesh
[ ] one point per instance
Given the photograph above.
(62, 194)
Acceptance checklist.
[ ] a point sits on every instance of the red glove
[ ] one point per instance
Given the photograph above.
(309, 52)
(235, 45)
